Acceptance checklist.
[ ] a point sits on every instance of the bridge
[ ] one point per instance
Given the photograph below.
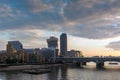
(82, 61)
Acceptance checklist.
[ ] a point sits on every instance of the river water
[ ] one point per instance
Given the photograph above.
(68, 73)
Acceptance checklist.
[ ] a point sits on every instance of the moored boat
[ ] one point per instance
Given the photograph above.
(113, 63)
(37, 71)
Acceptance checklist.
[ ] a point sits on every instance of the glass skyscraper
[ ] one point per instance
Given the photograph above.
(63, 44)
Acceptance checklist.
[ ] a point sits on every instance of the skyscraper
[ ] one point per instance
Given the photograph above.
(53, 45)
(63, 44)
(52, 42)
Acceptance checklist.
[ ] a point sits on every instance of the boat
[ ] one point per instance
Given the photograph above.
(37, 71)
(113, 63)
(4, 65)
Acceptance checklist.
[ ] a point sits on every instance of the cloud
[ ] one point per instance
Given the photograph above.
(6, 11)
(94, 29)
(31, 38)
(93, 19)
(89, 18)
(114, 45)
(77, 9)
(37, 6)
(2, 46)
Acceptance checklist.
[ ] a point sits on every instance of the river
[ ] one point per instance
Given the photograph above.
(68, 73)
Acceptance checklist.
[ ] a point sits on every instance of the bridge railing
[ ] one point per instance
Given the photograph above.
(88, 59)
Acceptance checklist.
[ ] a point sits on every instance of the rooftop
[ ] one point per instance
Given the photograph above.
(16, 44)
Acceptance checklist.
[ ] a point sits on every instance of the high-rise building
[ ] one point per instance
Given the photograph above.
(63, 44)
(52, 42)
(53, 45)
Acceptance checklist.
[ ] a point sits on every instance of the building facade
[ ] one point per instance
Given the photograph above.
(53, 45)
(63, 44)
(52, 42)
(16, 54)
(14, 46)
(73, 54)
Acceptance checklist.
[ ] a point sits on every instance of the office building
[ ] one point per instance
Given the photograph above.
(14, 46)
(63, 44)
(73, 54)
(53, 45)
(52, 42)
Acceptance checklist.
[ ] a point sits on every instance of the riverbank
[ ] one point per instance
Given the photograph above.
(24, 67)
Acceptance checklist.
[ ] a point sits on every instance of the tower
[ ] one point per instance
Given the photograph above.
(53, 45)
(63, 44)
(52, 42)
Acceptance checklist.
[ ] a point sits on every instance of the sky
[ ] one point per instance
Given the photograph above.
(92, 26)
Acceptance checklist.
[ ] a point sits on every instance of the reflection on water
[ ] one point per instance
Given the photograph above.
(106, 65)
(65, 73)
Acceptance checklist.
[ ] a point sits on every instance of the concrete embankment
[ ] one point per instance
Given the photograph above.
(23, 67)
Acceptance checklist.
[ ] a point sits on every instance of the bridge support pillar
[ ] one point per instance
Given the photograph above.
(84, 63)
(79, 64)
(100, 64)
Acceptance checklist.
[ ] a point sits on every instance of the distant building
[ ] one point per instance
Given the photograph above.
(73, 54)
(33, 56)
(16, 54)
(63, 44)
(52, 42)
(47, 53)
(3, 56)
(14, 46)
(53, 45)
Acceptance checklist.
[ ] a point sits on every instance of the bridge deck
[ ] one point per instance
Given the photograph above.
(88, 59)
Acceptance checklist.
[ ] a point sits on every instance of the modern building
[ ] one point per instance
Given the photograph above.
(33, 56)
(48, 54)
(53, 45)
(14, 46)
(52, 42)
(73, 54)
(16, 54)
(63, 44)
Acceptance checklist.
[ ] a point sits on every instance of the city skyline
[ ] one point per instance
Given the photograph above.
(93, 27)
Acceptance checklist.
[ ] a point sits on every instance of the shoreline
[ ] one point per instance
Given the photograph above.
(24, 67)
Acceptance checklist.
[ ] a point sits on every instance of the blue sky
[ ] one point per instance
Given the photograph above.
(92, 25)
